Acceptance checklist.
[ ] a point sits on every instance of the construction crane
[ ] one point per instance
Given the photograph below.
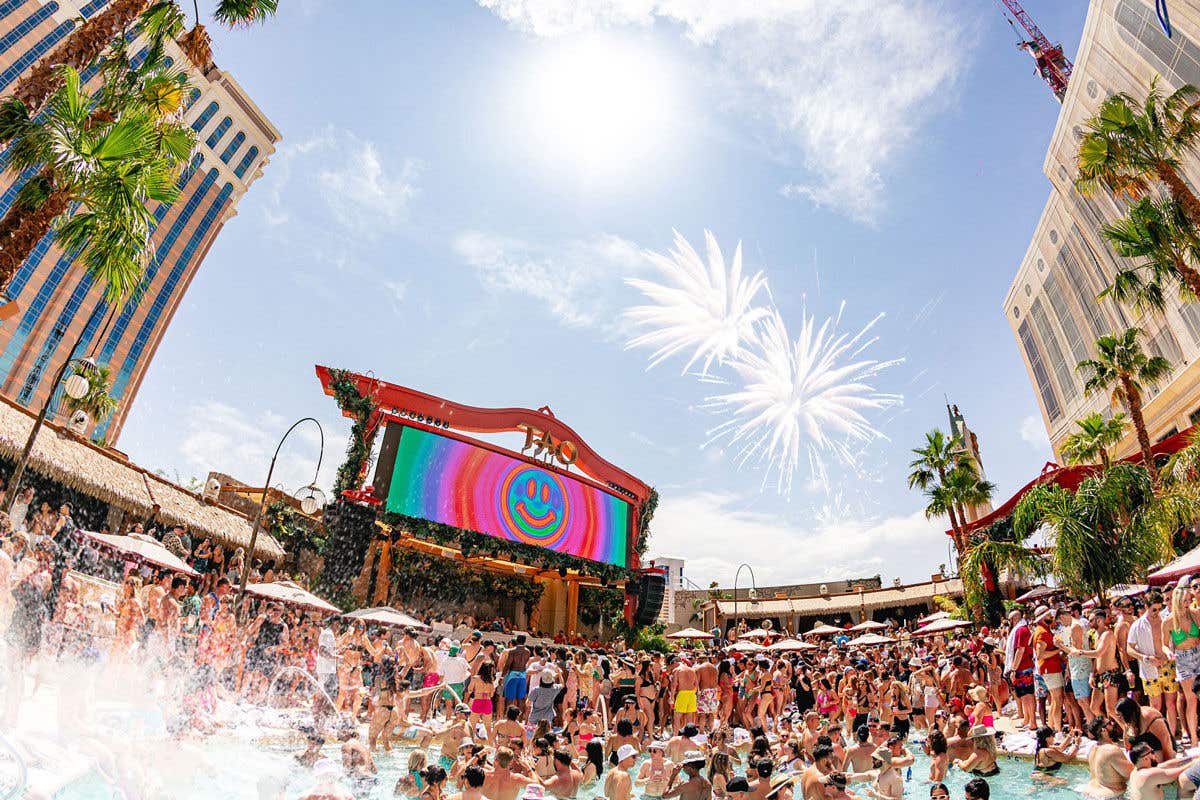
(1052, 64)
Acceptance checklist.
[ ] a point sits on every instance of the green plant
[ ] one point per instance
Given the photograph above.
(97, 403)
(1093, 439)
(1162, 237)
(949, 477)
(358, 451)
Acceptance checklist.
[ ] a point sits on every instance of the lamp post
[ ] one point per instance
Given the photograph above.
(753, 590)
(312, 500)
(76, 387)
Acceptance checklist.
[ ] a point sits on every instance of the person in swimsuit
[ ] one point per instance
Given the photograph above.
(481, 689)
(654, 772)
(1183, 640)
(982, 761)
(1144, 724)
(1049, 758)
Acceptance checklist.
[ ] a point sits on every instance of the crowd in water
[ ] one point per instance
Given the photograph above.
(476, 714)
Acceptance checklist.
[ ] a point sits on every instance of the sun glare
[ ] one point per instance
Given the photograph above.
(598, 104)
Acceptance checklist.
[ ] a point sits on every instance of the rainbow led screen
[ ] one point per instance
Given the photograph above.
(455, 483)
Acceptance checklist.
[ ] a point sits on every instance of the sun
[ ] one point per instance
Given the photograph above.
(598, 104)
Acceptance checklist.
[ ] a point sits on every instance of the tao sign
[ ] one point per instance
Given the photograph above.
(545, 446)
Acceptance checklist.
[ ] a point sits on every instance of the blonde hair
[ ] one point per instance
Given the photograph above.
(417, 760)
(1180, 609)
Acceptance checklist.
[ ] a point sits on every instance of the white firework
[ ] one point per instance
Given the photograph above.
(706, 309)
(801, 398)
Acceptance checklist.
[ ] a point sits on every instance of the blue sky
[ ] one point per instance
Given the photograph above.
(463, 187)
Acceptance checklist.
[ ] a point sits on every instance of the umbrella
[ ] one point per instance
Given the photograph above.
(868, 639)
(934, 617)
(138, 547)
(689, 633)
(289, 592)
(745, 647)
(1037, 593)
(1186, 564)
(792, 644)
(868, 625)
(942, 625)
(757, 633)
(824, 630)
(386, 615)
(1127, 589)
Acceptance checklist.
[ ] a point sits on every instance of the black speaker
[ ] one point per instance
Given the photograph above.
(651, 588)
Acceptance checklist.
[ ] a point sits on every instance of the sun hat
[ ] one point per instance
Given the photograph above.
(626, 751)
(980, 732)
(658, 746)
(693, 757)
(467, 741)
(884, 755)
(977, 693)
(914, 662)
(462, 708)
(1041, 613)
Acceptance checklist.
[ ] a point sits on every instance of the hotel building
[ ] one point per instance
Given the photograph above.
(1051, 305)
(59, 304)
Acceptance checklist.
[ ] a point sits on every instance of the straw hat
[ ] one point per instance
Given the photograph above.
(978, 693)
(980, 732)
(883, 754)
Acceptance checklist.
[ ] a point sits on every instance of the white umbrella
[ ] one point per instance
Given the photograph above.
(942, 625)
(1038, 593)
(745, 647)
(934, 617)
(868, 625)
(757, 633)
(289, 592)
(824, 630)
(869, 639)
(689, 633)
(139, 547)
(792, 644)
(386, 615)
(1127, 590)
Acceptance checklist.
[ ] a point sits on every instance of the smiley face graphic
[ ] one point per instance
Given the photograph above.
(534, 506)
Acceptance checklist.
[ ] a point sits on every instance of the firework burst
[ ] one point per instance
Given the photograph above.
(705, 309)
(802, 398)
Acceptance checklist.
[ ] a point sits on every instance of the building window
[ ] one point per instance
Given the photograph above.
(34, 53)
(1194, 417)
(1058, 363)
(1038, 368)
(1041, 265)
(1053, 236)
(1176, 59)
(1016, 312)
(246, 161)
(1066, 321)
(1092, 89)
(234, 145)
(1028, 291)
(219, 132)
(1167, 435)
(205, 117)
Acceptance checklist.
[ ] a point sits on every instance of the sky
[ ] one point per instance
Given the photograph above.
(464, 188)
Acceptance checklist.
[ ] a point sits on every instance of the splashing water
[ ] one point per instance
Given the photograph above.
(708, 310)
(802, 397)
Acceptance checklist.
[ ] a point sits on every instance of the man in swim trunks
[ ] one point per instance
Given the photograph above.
(1107, 763)
(685, 682)
(512, 666)
(707, 695)
(1107, 675)
(1148, 778)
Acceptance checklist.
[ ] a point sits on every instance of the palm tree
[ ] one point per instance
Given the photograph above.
(940, 456)
(1095, 436)
(1160, 234)
(1123, 367)
(97, 403)
(96, 170)
(87, 42)
(1130, 145)
(1104, 533)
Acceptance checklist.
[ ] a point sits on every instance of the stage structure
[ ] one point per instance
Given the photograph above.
(549, 510)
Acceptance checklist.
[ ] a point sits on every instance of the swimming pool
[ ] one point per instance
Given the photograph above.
(227, 767)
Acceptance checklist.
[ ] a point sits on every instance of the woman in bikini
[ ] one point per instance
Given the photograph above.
(1048, 758)
(982, 761)
(726, 692)
(646, 689)
(1182, 636)
(480, 690)
(130, 619)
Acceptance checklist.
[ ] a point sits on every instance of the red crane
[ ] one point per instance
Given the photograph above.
(1052, 64)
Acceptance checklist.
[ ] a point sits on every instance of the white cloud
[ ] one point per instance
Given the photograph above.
(716, 532)
(575, 281)
(220, 437)
(1033, 432)
(847, 84)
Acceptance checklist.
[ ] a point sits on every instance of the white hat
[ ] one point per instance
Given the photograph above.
(467, 741)
(659, 745)
(692, 757)
(626, 751)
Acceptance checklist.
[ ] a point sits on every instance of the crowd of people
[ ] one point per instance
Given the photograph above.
(479, 714)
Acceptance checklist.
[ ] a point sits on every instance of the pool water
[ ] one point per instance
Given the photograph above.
(226, 767)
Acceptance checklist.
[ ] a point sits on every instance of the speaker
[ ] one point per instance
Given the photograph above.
(652, 586)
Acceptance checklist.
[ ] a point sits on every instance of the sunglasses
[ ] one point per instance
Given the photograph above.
(939, 797)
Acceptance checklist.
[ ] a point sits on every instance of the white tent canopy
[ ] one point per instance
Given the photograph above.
(824, 630)
(757, 633)
(386, 615)
(792, 645)
(868, 625)
(869, 639)
(934, 617)
(942, 625)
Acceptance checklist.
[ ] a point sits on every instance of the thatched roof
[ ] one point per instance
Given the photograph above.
(113, 479)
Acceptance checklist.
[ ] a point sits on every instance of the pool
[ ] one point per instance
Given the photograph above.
(228, 767)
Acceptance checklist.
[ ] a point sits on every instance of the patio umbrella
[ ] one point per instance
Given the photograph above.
(689, 633)
(289, 592)
(745, 647)
(757, 633)
(824, 630)
(869, 639)
(142, 548)
(942, 625)
(868, 625)
(792, 645)
(1038, 593)
(934, 617)
(386, 615)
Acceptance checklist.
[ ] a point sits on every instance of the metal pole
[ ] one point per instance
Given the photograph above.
(241, 606)
(14, 482)
(753, 584)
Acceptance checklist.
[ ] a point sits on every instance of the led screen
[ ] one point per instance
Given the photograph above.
(445, 480)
